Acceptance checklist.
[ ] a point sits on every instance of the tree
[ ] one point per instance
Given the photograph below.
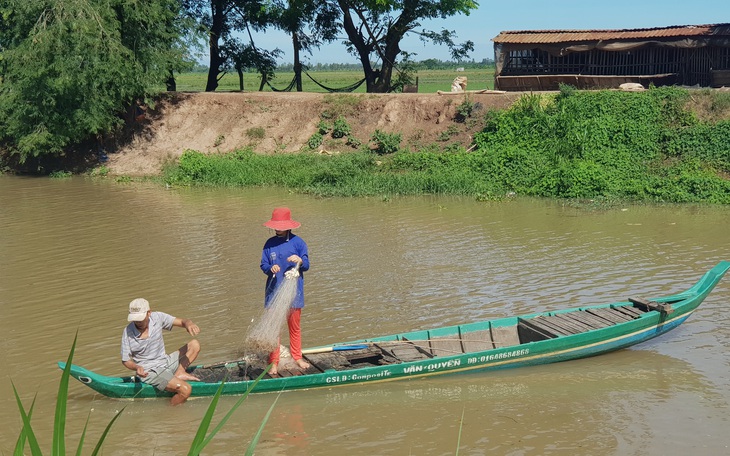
(248, 56)
(378, 26)
(309, 23)
(71, 67)
(223, 20)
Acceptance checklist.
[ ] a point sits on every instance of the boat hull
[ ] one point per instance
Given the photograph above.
(527, 340)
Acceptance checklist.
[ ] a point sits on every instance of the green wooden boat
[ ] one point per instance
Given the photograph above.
(525, 340)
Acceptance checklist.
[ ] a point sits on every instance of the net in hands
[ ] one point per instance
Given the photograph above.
(264, 335)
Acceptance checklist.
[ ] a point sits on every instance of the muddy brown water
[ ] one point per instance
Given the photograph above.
(74, 252)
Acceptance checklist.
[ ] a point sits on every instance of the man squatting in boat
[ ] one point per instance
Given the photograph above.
(143, 350)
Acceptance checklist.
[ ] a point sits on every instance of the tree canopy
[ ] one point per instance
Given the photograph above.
(375, 28)
(69, 68)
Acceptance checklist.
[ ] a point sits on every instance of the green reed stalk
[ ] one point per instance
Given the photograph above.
(200, 441)
(461, 426)
(58, 447)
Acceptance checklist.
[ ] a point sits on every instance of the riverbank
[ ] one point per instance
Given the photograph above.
(274, 123)
(660, 145)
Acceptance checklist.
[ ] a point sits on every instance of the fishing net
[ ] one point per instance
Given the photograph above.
(264, 335)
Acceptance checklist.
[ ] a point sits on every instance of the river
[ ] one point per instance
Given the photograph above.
(74, 252)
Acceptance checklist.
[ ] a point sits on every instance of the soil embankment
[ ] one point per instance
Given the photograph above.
(271, 122)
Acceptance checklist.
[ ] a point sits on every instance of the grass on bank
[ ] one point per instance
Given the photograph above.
(429, 81)
(638, 146)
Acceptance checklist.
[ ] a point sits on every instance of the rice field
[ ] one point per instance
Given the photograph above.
(428, 80)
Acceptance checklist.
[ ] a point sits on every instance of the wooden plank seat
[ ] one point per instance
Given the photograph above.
(610, 315)
(633, 312)
(551, 325)
(589, 319)
(577, 323)
(564, 324)
(532, 331)
(544, 327)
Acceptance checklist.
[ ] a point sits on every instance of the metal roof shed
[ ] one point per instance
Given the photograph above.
(690, 55)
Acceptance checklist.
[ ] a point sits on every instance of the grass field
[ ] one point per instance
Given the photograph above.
(428, 80)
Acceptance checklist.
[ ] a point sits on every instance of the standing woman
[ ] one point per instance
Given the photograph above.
(283, 252)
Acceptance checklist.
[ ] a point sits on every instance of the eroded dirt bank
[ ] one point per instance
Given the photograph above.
(271, 122)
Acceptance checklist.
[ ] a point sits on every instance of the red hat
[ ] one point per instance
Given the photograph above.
(281, 220)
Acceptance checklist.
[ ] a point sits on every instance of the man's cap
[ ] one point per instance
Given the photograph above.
(138, 309)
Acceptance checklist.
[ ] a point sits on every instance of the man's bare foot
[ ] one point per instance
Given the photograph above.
(274, 370)
(188, 378)
(303, 364)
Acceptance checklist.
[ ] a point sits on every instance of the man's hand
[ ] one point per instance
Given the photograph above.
(295, 259)
(141, 372)
(192, 328)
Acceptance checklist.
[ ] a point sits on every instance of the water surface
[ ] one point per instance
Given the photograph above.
(74, 252)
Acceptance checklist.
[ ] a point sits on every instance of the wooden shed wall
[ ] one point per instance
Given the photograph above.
(691, 61)
(689, 66)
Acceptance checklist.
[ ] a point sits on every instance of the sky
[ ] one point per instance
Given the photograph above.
(492, 17)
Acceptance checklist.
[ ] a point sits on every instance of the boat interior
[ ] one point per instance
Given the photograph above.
(456, 340)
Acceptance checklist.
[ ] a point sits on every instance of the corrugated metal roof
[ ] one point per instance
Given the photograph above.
(561, 36)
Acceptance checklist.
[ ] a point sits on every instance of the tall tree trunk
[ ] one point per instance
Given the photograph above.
(297, 63)
(371, 76)
(364, 41)
(390, 54)
(170, 82)
(216, 61)
(240, 77)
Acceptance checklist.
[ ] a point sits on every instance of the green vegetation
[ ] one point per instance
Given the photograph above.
(315, 140)
(644, 146)
(429, 81)
(60, 175)
(27, 435)
(256, 132)
(465, 110)
(385, 143)
(71, 68)
(341, 128)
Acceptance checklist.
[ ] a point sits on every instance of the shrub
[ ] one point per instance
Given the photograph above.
(385, 143)
(60, 174)
(315, 141)
(341, 128)
(256, 133)
(353, 142)
(450, 131)
(323, 127)
(464, 110)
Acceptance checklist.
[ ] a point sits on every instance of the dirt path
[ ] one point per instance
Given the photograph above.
(271, 122)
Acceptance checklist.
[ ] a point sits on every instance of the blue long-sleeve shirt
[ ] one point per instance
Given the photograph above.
(276, 251)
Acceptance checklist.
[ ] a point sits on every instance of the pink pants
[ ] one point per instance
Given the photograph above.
(295, 337)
